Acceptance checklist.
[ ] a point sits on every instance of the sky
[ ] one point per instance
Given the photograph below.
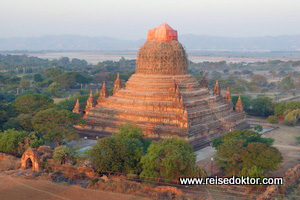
(131, 19)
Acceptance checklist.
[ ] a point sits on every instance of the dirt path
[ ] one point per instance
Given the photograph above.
(18, 188)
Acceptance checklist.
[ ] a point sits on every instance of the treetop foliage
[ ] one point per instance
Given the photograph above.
(56, 125)
(10, 140)
(246, 153)
(245, 136)
(169, 159)
(120, 153)
(33, 103)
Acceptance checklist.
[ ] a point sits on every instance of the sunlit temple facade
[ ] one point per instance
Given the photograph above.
(163, 99)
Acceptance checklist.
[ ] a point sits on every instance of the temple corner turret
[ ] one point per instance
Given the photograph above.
(217, 89)
(117, 84)
(239, 105)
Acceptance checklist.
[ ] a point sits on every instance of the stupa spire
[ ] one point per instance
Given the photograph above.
(239, 105)
(204, 82)
(103, 92)
(164, 32)
(228, 96)
(90, 103)
(117, 84)
(217, 89)
(77, 107)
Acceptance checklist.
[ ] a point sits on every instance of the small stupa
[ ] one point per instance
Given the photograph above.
(77, 108)
(239, 105)
(228, 96)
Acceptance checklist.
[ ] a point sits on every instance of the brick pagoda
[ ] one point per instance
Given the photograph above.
(162, 98)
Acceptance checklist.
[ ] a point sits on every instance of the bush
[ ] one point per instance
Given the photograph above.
(258, 128)
(9, 163)
(121, 153)
(246, 153)
(10, 141)
(292, 117)
(64, 154)
(273, 119)
(169, 159)
(262, 106)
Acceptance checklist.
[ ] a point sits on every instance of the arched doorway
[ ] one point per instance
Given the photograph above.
(29, 160)
(28, 163)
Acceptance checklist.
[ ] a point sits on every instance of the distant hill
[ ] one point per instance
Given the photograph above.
(265, 43)
(191, 42)
(67, 42)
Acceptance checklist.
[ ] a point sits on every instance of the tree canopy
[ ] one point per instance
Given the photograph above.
(262, 106)
(121, 153)
(10, 141)
(169, 159)
(32, 103)
(245, 152)
(56, 125)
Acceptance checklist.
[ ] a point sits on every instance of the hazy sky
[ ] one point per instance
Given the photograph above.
(131, 19)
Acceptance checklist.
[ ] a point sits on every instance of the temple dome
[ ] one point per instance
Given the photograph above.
(162, 54)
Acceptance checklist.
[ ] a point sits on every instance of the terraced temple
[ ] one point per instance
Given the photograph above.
(162, 98)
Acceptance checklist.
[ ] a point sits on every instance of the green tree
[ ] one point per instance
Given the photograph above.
(36, 140)
(10, 141)
(38, 78)
(68, 104)
(52, 73)
(6, 111)
(258, 128)
(64, 61)
(279, 108)
(65, 80)
(121, 153)
(273, 119)
(292, 117)
(261, 80)
(262, 106)
(55, 89)
(287, 83)
(22, 122)
(63, 154)
(132, 131)
(24, 84)
(56, 125)
(238, 89)
(245, 152)
(169, 159)
(260, 156)
(25, 122)
(293, 105)
(12, 123)
(107, 155)
(32, 103)
(246, 136)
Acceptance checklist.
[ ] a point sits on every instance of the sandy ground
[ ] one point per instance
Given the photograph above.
(286, 143)
(12, 188)
(204, 153)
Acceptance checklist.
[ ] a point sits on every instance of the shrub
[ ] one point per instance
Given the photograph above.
(10, 162)
(169, 159)
(258, 128)
(273, 119)
(246, 153)
(10, 141)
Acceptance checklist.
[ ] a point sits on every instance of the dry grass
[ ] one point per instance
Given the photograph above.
(138, 189)
(10, 163)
